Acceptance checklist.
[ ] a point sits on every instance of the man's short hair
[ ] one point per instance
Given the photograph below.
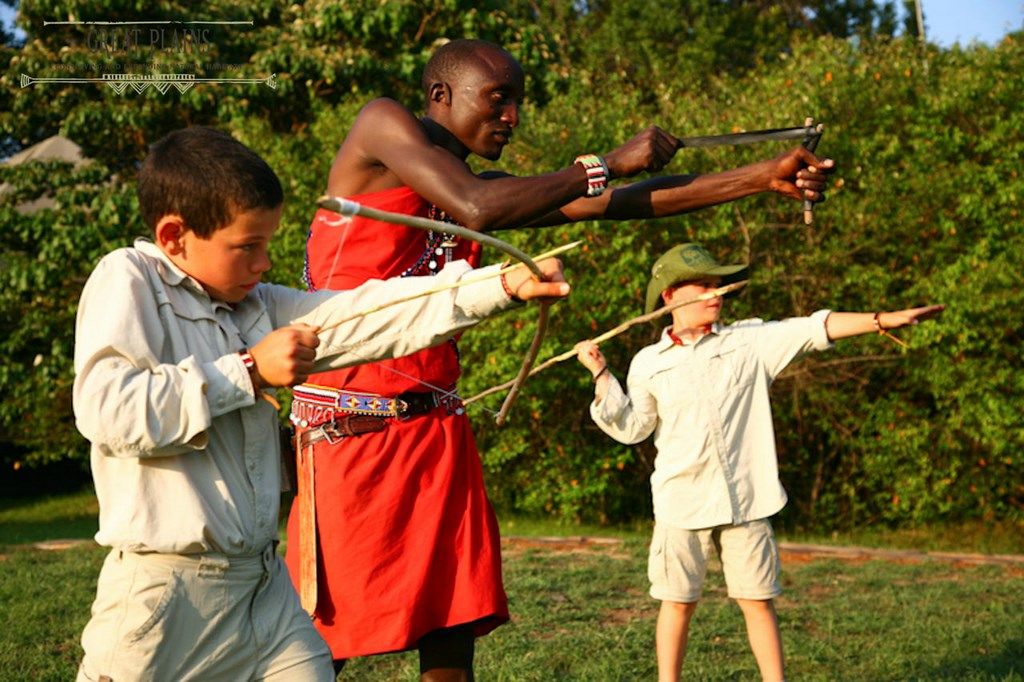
(448, 60)
(205, 176)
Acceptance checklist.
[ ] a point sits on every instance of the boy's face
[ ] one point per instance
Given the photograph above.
(230, 263)
(695, 315)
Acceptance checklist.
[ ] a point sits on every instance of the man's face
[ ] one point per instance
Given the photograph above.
(230, 263)
(485, 100)
(694, 315)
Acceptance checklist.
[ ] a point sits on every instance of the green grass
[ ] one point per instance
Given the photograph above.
(973, 537)
(585, 614)
(58, 517)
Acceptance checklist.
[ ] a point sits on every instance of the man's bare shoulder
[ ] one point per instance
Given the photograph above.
(384, 108)
(380, 124)
(383, 136)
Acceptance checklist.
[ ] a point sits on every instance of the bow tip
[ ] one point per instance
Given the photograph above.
(341, 206)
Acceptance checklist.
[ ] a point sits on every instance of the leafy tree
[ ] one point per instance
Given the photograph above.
(926, 209)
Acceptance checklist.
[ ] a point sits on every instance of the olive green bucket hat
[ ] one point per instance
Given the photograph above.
(687, 262)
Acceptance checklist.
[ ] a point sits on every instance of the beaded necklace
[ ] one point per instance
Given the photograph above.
(438, 244)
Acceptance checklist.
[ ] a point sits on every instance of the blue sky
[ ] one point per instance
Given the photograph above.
(946, 21)
(964, 21)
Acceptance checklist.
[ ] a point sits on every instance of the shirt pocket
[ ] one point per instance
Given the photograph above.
(657, 569)
(732, 368)
(193, 328)
(675, 389)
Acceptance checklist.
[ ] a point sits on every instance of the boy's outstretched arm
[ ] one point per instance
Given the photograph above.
(843, 325)
(348, 337)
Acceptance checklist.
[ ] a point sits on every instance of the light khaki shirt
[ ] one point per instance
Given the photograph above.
(185, 459)
(707, 404)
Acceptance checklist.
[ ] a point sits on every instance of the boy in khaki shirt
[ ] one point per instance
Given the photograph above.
(176, 342)
(702, 389)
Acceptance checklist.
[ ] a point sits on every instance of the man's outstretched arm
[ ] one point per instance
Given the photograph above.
(387, 137)
(797, 174)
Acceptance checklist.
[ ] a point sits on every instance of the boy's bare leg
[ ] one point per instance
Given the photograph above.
(765, 640)
(671, 636)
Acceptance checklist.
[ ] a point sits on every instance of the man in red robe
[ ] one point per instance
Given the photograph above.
(408, 543)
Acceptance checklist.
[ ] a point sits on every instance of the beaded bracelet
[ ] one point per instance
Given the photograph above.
(884, 332)
(247, 359)
(508, 292)
(597, 173)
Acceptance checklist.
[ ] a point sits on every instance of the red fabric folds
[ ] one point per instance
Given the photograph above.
(408, 542)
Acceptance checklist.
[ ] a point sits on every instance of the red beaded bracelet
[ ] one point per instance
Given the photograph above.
(508, 292)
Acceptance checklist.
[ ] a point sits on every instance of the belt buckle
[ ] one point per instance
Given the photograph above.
(330, 431)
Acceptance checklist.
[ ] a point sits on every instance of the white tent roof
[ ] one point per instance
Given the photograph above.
(56, 148)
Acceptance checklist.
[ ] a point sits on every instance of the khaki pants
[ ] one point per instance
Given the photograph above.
(199, 617)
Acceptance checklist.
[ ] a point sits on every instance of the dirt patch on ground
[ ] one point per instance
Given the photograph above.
(791, 553)
(622, 616)
(513, 545)
(799, 553)
(59, 545)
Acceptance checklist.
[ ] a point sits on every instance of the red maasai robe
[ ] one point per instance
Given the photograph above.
(408, 542)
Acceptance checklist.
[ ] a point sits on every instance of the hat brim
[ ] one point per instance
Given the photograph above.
(728, 273)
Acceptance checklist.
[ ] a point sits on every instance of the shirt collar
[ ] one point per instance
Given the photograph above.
(174, 276)
(169, 272)
(668, 339)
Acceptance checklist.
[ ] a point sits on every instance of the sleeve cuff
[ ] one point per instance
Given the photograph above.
(612, 405)
(228, 385)
(480, 299)
(819, 336)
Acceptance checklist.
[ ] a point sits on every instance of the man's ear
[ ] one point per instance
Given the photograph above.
(439, 94)
(666, 295)
(170, 231)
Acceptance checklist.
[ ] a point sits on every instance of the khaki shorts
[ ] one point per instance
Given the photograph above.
(678, 561)
(200, 617)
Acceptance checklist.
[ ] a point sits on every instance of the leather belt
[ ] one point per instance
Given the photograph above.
(313, 405)
(342, 426)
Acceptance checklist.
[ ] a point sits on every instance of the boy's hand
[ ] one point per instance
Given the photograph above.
(284, 357)
(523, 286)
(903, 318)
(591, 357)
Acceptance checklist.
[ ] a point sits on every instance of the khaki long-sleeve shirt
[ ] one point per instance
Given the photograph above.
(707, 404)
(185, 459)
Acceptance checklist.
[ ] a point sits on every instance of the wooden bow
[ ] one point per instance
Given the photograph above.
(348, 208)
(615, 331)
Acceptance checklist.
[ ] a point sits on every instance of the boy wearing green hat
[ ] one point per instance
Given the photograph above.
(702, 390)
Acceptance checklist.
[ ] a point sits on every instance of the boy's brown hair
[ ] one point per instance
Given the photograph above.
(205, 176)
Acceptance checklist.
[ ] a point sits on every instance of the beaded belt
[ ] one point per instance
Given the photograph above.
(313, 405)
